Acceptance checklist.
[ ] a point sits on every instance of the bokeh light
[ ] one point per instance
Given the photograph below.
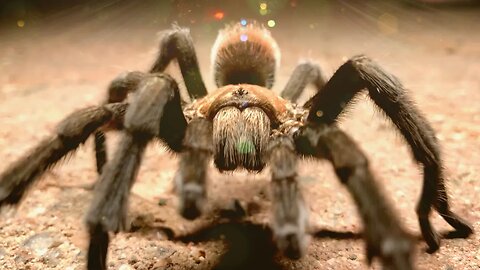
(271, 23)
(263, 9)
(219, 15)
(243, 37)
(243, 22)
(20, 23)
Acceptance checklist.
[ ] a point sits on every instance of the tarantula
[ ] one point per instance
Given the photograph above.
(244, 124)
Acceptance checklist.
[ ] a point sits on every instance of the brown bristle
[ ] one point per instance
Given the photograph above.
(245, 54)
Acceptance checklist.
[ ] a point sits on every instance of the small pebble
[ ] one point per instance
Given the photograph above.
(40, 243)
(142, 221)
(199, 259)
(162, 202)
(132, 260)
(352, 257)
(125, 267)
(2, 253)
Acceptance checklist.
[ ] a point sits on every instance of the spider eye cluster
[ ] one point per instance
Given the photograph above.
(240, 137)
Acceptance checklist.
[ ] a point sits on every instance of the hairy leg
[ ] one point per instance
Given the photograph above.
(290, 217)
(177, 44)
(389, 95)
(118, 90)
(190, 180)
(385, 238)
(156, 106)
(70, 134)
(304, 73)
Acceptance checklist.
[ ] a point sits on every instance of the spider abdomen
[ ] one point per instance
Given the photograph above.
(239, 138)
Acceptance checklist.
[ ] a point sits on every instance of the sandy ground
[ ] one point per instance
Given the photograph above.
(50, 67)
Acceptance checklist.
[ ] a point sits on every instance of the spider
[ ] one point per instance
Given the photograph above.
(244, 125)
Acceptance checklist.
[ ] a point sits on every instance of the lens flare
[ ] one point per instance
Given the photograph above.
(219, 15)
(271, 23)
(243, 37)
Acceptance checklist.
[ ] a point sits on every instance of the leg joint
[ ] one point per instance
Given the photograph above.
(124, 84)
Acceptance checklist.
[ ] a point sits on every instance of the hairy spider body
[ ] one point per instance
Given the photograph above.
(244, 124)
(243, 117)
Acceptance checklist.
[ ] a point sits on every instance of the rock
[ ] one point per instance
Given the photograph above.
(40, 243)
(158, 252)
(22, 257)
(133, 259)
(162, 202)
(352, 257)
(125, 267)
(142, 221)
(2, 253)
(198, 255)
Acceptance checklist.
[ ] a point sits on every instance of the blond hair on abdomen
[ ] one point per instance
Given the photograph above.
(245, 54)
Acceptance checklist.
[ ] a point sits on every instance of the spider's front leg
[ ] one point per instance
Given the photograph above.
(388, 93)
(176, 43)
(385, 237)
(290, 217)
(190, 179)
(155, 112)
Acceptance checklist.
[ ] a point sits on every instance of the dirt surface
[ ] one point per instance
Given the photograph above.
(64, 60)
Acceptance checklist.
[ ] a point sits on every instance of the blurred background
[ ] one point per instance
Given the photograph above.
(58, 56)
(96, 38)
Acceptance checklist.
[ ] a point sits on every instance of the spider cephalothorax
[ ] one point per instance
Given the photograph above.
(243, 118)
(244, 124)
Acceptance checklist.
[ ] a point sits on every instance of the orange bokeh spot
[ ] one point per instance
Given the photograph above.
(219, 15)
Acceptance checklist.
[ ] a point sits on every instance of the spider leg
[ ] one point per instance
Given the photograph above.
(70, 134)
(155, 112)
(304, 73)
(290, 217)
(118, 90)
(190, 179)
(389, 94)
(178, 43)
(385, 237)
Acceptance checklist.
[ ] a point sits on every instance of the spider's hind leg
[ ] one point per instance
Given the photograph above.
(290, 216)
(305, 73)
